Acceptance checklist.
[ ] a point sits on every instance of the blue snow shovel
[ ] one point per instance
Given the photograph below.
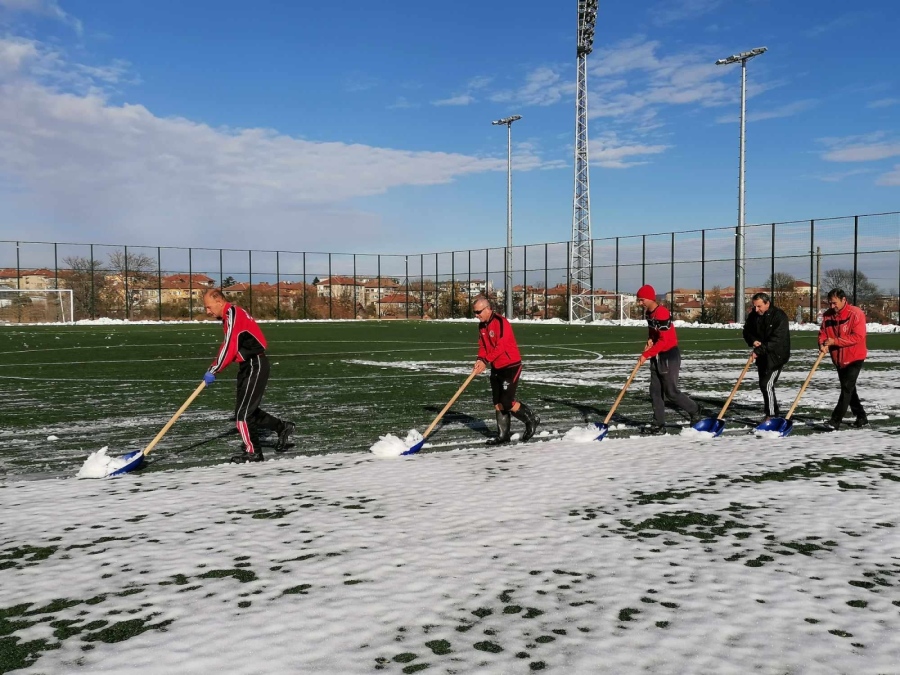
(784, 425)
(603, 429)
(418, 446)
(716, 425)
(134, 460)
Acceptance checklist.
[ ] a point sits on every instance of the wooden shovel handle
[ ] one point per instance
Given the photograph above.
(449, 403)
(805, 384)
(169, 424)
(736, 385)
(622, 393)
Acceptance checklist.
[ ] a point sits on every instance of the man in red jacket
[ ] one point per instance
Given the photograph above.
(665, 362)
(244, 342)
(497, 347)
(843, 333)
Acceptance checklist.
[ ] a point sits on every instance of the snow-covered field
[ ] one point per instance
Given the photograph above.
(633, 555)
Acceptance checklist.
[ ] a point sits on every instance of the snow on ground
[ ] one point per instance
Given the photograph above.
(657, 555)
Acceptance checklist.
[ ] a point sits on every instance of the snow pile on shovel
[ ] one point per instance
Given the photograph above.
(392, 446)
(99, 465)
(696, 433)
(583, 434)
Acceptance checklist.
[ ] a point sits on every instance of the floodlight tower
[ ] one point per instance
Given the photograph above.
(581, 300)
(507, 286)
(739, 301)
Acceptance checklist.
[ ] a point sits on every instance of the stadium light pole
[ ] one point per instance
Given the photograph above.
(739, 255)
(507, 289)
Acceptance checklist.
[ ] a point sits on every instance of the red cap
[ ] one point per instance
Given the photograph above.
(646, 292)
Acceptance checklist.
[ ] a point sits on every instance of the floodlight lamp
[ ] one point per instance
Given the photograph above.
(507, 120)
(743, 56)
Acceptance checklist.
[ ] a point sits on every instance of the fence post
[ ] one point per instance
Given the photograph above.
(125, 282)
(406, 303)
(618, 301)
(354, 286)
(437, 293)
(221, 273)
(278, 285)
(672, 275)
(774, 301)
(378, 289)
(18, 271)
(568, 278)
(452, 284)
(158, 281)
(56, 271)
(330, 290)
(855, 254)
(546, 281)
(421, 286)
(190, 285)
(643, 259)
(525, 281)
(250, 279)
(304, 286)
(702, 273)
(813, 286)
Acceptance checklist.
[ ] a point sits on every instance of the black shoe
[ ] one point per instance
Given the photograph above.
(861, 421)
(245, 457)
(531, 421)
(653, 430)
(695, 417)
(503, 434)
(284, 436)
(830, 425)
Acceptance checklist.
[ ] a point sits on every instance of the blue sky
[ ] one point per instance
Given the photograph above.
(366, 127)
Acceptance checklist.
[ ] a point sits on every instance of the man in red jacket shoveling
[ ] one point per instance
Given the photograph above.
(843, 333)
(665, 362)
(497, 347)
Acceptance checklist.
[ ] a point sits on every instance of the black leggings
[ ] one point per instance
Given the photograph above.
(252, 378)
(664, 370)
(848, 398)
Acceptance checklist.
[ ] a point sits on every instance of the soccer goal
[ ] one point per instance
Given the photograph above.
(47, 305)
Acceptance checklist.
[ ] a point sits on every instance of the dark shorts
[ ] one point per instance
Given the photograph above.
(504, 382)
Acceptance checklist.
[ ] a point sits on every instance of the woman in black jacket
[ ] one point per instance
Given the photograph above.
(767, 331)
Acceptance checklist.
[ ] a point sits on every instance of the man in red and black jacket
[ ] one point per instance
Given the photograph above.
(665, 362)
(244, 342)
(843, 333)
(497, 347)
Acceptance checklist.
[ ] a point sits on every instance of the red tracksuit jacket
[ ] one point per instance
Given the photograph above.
(662, 332)
(497, 344)
(848, 328)
(243, 338)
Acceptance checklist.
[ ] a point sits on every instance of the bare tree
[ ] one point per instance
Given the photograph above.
(84, 276)
(130, 272)
(866, 292)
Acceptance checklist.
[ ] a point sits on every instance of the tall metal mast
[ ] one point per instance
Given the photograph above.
(581, 301)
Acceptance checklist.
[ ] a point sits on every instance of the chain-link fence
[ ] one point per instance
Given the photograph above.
(692, 271)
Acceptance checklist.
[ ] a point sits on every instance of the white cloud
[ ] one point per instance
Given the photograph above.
(543, 86)
(864, 148)
(610, 152)
(841, 175)
(44, 8)
(461, 99)
(839, 23)
(467, 97)
(70, 156)
(891, 178)
(787, 110)
(630, 78)
(883, 103)
(671, 11)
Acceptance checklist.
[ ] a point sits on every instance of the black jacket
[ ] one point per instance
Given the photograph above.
(771, 330)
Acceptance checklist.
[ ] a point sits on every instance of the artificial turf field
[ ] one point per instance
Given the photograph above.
(347, 383)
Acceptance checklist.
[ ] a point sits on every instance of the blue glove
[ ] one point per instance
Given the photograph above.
(209, 378)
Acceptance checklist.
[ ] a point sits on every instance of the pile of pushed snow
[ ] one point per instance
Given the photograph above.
(691, 432)
(392, 446)
(99, 465)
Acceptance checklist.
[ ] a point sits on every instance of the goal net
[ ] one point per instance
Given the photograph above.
(50, 305)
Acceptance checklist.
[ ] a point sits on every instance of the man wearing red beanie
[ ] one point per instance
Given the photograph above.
(665, 362)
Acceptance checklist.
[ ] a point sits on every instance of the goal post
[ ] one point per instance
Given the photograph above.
(37, 305)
